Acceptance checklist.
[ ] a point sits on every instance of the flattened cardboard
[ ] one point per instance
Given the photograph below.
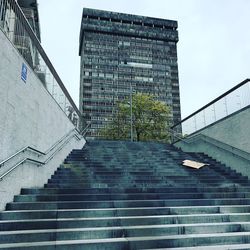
(194, 164)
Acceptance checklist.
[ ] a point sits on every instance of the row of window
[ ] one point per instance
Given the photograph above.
(144, 48)
(129, 22)
(114, 38)
(128, 66)
(110, 60)
(110, 55)
(136, 50)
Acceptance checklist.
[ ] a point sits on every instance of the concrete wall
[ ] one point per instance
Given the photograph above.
(233, 130)
(28, 113)
(228, 141)
(30, 175)
(29, 116)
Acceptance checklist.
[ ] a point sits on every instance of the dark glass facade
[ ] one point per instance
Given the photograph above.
(118, 50)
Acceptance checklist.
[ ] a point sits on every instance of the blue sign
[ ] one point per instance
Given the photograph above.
(24, 72)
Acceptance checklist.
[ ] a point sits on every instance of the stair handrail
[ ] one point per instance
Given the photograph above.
(36, 150)
(229, 148)
(48, 159)
(18, 164)
(173, 133)
(84, 131)
(60, 140)
(21, 151)
(59, 148)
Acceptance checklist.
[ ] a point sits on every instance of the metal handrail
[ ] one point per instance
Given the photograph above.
(212, 102)
(35, 150)
(223, 145)
(59, 141)
(172, 132)
(18, 164)
(11, 169)
(21, 151)
(50, 157)
(43, 153)
(36, 161)
(84, 131)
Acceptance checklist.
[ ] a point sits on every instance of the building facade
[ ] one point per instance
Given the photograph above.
(122, 51)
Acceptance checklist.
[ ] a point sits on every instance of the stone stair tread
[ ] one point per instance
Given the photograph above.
(218, 208)
(114, 201)
(218, 247)
(176, 189)
(130, 217)
(123, 240)
(120, 227)
(129, 208)
(128, 195)
(134, 193)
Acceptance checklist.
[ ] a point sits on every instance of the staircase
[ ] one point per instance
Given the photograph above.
(123, 195)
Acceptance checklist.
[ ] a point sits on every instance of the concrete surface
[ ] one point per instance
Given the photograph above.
(29, 116)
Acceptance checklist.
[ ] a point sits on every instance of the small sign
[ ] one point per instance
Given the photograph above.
(24, 72)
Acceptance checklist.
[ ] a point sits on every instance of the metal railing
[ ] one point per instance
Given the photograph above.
(85, 130)
(18, 164)
(226, 104)
(18, 30)
(28, 148)
(58, 146)
(38, 152)
(219, 144)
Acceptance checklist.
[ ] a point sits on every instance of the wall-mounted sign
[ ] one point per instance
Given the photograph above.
(24, 72)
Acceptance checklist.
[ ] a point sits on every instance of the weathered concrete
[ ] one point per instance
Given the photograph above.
(29, 116)
(227, 141)
(233, 130)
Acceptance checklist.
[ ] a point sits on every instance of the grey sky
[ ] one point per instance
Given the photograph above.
(213, 48)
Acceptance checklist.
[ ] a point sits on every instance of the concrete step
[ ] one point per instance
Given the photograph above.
(112, 178)
(155, 169)
(111, 212)
(145, 172)
(114, 174)
(140, 185)
(119, 232)
(128, 196)
(125, 203)
(145, 176)
(59, 223)
(125, 180)
(134, 190)
(218, 247)
(139, 242)
(133, 182)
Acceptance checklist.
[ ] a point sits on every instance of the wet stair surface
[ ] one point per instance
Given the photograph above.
(127, 195)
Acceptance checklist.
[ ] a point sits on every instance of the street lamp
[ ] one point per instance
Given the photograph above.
(131, 114)
(131, 92)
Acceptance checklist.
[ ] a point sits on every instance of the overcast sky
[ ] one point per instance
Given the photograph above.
(213, 47)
